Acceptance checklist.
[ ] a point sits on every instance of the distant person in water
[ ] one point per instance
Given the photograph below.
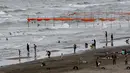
(10, 33)
(19, 52)
(127, 41)
(48, 53)
(111, 39)
(94, 44)
(86, 45)
(28, 48)
(7, 39)
(35, 49)
(38, 25)
(75, 47)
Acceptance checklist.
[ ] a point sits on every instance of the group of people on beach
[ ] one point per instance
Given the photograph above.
(35, 50)
(114, 58)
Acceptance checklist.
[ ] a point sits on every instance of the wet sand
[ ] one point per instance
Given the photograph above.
(85, 62)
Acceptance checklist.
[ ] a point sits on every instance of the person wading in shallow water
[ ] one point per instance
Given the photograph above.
(48, 53)
(28, 48)
(35, 50)
(127, 41)
(75, 47)
(94, 44)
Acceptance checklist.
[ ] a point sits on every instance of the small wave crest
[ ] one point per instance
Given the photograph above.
(2, 13)
(15, 10)
(4, 7)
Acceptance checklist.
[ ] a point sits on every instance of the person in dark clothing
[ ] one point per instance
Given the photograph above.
(49, 54)
(35, 49)
(126, 60)
(111, 39)
(19, 52)
(38, 25)
(114, 57)
(94, 43)
(6, 39)
(106, 37)
(86, 45)
(97, 65)
(75, 47)
(19, 55)
(28, 49)
(127, 41)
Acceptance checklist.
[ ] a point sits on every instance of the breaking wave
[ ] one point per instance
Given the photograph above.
(4, 7)
(15, 10)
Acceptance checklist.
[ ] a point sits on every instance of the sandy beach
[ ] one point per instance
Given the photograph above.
(84, 61)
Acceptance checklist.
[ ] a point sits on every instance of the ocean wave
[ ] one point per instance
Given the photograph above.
(4, 7)
(2, 13)
(15, 10)
(99, 4)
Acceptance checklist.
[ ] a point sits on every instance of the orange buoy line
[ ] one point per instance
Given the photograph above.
(71, 19)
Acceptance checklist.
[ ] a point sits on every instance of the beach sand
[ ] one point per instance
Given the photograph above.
(84, 61)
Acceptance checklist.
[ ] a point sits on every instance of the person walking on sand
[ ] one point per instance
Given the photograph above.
(126, 60)
(75, 47)
(28, 48)
(114, 57)
(48, 54)
(97, 65)
(35, 49)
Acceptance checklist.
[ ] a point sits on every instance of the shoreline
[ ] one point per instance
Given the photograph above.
(41, 55)
(62, 65)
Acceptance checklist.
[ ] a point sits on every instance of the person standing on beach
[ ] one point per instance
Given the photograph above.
(114, 57)
(111, 39)
(75, 47)
(35, 49)
(97, 65)
(28, 48)
(126, 60)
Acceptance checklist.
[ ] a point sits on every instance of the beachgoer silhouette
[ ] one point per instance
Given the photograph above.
(111, 39)
(97, 65)
(75, 47)
(38, 25)
(126, 60)
(127, 41)
(114, 57)
(28, 49)
(49, 54)
(94, 44)
(10, 33)
(86, 45)
(6, 39)
(19, 52)
(35, 49)
(106, 37)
